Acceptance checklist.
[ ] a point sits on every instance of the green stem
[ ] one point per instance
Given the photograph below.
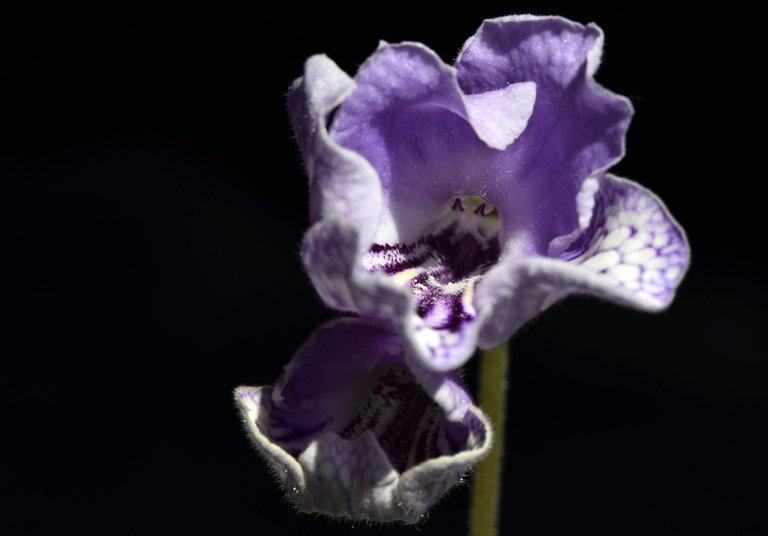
(486, 487)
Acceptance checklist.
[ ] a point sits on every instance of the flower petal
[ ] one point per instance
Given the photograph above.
(633, 253)
(423, 140)
(382, 121)
(551, 51)
(577, 127)
(349, 430)
(342, 183)
(500, 116)
(410, 120)
(439, 349)
(330, 253)
(330, 256)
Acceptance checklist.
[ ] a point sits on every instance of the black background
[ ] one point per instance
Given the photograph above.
(151, 247)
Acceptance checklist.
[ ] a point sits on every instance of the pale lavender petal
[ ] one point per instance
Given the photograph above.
(577, 127)
(331, 256)
(342, 183)
(635, 243)
(633, 253)
(350, 431)
(500, 116)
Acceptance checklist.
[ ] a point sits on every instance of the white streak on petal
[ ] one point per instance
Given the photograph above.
(640, 256)
(660, 240)
(603, 261)
(672, 273)
(406, 275)
(614, 238)
(639, 241)
(624, 272)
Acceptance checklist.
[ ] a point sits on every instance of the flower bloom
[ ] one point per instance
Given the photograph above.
(350, 432)
(449, 205)
(457, 202)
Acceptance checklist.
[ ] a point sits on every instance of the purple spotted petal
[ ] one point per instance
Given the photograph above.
(631, 252)
(442, 197)
(350, 431)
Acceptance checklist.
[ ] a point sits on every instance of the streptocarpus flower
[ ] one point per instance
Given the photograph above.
(457, 202)
(350, 432)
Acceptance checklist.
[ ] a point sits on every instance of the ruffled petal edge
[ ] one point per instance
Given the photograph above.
(634, 253)
(361, 436)
(370, 489)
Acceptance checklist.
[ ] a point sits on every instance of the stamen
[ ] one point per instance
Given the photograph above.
(466, 300)
(484, 210)
(406, 275)
(457, 205)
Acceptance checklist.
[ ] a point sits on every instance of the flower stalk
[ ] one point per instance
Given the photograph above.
(486, 488)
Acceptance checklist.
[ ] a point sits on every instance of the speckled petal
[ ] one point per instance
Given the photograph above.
(439, 349)
(349, 430)
(633, 253)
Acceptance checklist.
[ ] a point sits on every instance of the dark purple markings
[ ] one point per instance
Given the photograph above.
(404, 419)
(450, 259)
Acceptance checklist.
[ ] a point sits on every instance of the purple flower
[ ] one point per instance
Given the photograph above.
(349, 431)
(457, 202)
(449, 206)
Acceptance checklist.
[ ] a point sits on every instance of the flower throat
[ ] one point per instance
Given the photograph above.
(443, 266)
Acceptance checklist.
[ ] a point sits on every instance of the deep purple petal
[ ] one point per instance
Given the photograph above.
(577, 127)
(350, 431)
(632, 252)
(425, 138)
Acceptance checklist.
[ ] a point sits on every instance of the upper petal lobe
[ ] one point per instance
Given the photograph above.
(577, 127)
